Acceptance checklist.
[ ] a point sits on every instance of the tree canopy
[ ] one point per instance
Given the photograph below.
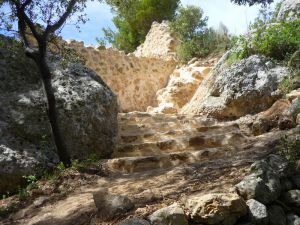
(133, 20)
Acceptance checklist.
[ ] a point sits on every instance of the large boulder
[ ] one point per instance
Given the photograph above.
(87, 114)
(219, 208)
(289, 10)
(246, 87)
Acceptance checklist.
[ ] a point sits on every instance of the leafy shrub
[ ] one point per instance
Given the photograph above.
(197, 40)
(278, 41)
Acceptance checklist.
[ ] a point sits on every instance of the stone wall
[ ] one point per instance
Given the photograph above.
(159, 43)
(134, 80)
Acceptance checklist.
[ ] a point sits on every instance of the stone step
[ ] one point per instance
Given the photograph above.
(186, 143)
(146, 118)
(152, 135)
(167, 160)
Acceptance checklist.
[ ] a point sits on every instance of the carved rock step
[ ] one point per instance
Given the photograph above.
(177, 144)
(167, 160)
(153, 135)
(144, 118)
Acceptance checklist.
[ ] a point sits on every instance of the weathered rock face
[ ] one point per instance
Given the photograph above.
(87, 112)
(180, 89)
(216, 208)
(290, 10)
(246, 87)
(159, 43)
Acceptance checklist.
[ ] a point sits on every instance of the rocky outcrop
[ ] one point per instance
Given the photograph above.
(246, 87)
(87, 113)
(181, 87)
(159, 43)
(290, 10)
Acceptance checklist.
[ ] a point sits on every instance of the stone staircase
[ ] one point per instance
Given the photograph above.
(152, 141)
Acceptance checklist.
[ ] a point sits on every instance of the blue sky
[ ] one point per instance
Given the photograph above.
(236, 18)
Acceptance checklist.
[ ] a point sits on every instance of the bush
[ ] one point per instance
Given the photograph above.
(278, 41)
(197, 40)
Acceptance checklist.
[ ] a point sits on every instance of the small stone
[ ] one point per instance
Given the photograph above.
(293, 219)
(276, 215)
(134, 221)
(171, 215)
(257, 212)
(292, 198)
(111, 206)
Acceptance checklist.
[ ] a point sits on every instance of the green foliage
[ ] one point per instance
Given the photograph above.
(289, 148)
(134, 18)
(278, 41)
(189, 22)
(196, 39)
(240, 49)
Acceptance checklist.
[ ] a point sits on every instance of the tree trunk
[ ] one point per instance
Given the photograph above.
(52, 112)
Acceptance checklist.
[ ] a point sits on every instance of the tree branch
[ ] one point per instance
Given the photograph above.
(61, 21)
(24, 19)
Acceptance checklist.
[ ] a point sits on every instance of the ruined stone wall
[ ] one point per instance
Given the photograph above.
(134, 80)
(159, 43)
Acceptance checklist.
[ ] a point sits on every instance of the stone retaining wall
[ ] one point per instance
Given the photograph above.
(134, 80)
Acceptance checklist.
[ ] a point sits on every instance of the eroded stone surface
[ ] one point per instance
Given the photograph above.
(180, 89)
(159, 43)
(247, 87)
(86, 107)
(220, 208)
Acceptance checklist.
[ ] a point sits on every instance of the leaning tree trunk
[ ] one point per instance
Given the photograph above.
(52, 112)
